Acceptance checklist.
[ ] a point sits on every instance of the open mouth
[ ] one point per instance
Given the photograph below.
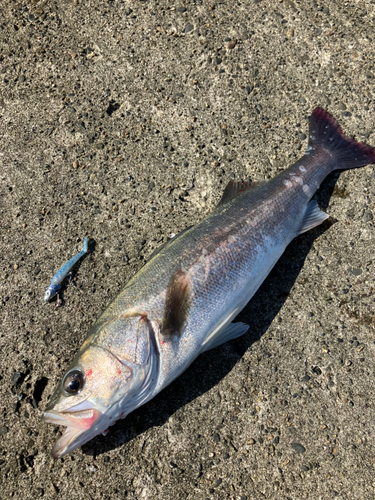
(77, 432)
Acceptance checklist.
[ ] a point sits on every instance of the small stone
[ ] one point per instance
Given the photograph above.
(16, 377)
(188, 28)
(250, 441)
(181, 9)
(325, 100)
(230, 45)
(217, 483)
(317, 370)
(298, 448)
(350, 213)
(218, 61)
(75, 164)
(302, 136)
(216, 437)
(3, 430)
(367, 216)
(356, 271)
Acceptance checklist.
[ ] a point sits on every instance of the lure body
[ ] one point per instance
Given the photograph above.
(62, 273)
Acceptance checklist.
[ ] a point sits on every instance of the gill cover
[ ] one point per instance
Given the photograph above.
(111, 375)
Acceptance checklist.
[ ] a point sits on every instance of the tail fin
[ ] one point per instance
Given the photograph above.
(326, 132)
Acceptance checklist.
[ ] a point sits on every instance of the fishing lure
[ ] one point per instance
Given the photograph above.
(62, 273)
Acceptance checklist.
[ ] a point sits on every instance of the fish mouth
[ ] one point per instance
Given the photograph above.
(80, 428)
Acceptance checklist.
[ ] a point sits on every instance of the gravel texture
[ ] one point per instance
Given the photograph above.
(123, 121)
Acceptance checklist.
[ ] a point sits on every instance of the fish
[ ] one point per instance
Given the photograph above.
(62, 273)
(184, 299)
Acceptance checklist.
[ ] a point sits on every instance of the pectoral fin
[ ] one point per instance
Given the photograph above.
(177, 304)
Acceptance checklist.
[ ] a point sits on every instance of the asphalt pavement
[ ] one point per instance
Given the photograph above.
(123, 122)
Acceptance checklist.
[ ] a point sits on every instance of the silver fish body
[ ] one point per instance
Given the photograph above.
(183, 300)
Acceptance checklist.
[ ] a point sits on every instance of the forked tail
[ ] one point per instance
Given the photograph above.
(326, 132)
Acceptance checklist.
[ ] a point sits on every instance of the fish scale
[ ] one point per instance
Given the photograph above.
(182, 302)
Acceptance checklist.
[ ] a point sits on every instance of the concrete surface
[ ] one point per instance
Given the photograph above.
(123, 121)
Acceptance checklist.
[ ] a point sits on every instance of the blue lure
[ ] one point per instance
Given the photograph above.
(62, 273)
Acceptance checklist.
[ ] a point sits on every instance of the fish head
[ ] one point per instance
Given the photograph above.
(103, 384)
(51, 292)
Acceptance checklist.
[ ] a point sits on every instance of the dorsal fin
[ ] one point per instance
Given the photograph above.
(233, 189)
(177, 304)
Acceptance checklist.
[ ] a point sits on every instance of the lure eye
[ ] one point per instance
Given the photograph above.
(74, 382)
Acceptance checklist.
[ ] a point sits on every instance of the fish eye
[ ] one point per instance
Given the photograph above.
(74, 382)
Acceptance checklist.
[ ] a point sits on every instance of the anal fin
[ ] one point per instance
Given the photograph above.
(312, 218)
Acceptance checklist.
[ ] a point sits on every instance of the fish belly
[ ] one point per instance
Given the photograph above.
(216, 306)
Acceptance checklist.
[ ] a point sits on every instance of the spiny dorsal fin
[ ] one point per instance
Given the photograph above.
(177, 304)
(233, 189)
